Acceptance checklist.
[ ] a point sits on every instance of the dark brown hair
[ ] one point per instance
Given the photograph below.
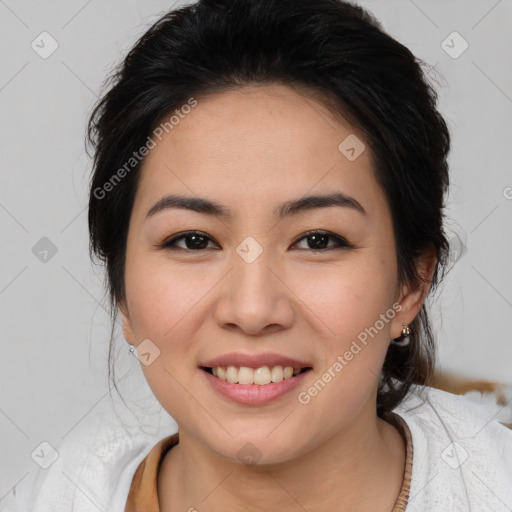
(342, 55)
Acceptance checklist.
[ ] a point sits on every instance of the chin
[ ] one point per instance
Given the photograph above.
(255, 447)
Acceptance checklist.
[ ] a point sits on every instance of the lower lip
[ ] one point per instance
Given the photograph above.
(254, 394)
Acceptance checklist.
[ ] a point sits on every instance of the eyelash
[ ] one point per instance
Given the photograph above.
(340, 241)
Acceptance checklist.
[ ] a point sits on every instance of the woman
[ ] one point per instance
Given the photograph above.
(267, 196)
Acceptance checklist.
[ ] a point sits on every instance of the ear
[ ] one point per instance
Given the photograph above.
(412, 300)
(127, 325)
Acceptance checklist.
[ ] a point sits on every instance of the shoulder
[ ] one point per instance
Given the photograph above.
(94, 465)
(462, 452)
(465, 413)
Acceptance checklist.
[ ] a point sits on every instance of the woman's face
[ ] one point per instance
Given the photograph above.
(252, 282)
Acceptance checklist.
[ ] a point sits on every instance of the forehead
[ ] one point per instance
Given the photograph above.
(257, 143)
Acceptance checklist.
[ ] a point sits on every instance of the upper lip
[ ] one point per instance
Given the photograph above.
(253, 360)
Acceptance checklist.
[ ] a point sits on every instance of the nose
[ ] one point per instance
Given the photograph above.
(254, 298)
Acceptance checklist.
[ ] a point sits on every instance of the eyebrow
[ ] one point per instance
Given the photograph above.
(207, 207)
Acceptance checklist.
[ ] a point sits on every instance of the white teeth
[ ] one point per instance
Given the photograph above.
(277, 373)
(221, 373)
(245, 375)
(261, 376)
(231, 374)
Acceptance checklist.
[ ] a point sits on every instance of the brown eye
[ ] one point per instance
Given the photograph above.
(319, 241)
(193, 241)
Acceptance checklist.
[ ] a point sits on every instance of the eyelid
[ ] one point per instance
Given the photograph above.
(342, 243)
(166, 244)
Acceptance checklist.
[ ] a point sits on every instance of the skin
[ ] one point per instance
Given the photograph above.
(251, 149)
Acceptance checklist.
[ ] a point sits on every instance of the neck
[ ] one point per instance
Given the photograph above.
(358, 469)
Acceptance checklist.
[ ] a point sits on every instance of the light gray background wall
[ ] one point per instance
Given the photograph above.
(54, 328)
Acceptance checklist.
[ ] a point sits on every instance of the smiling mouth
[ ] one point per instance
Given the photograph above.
(260, 376)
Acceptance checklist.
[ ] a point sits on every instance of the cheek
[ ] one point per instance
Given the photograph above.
(352, 306)
(164, 303)
(344, 301)
(354, 311)
(161, 298)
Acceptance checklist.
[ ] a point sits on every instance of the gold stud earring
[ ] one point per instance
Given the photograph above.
(404, 339)
(406, 330)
